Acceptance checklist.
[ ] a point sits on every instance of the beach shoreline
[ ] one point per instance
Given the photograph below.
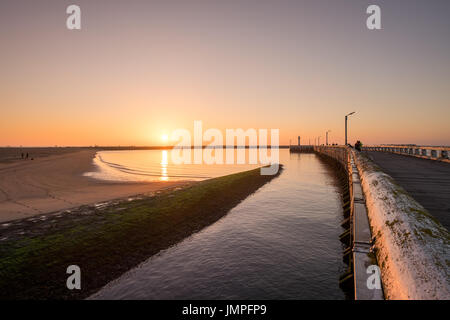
(53, 181)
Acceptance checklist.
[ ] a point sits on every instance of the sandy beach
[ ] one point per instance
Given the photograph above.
(56, 182)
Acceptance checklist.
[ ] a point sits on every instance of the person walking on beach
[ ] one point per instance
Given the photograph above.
(358, 145)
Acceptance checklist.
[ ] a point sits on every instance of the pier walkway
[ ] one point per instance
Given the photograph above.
(427, 181)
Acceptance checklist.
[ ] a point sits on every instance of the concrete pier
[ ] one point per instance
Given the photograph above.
(386, 226)
(411, 246)
(387, 223)
(301, 149)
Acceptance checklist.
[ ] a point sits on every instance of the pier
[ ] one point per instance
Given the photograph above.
(395, 216)
(301, 149)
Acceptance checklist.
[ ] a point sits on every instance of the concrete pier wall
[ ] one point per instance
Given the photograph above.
(341, 154)
(301, 149)
(358, 253)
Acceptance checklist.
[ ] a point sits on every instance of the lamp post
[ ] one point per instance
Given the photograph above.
(327, 135)
(318, 141)
(346, 126)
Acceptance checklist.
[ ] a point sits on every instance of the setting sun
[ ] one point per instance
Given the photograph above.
(165, 138)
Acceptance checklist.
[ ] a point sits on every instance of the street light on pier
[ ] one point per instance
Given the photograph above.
(327, 135)
(346, 125)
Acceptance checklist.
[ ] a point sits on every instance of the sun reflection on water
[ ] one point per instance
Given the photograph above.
(164, 163)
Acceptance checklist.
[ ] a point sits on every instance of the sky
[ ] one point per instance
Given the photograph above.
(137, 70)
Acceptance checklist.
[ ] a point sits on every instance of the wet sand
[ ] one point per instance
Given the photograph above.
(56, 182)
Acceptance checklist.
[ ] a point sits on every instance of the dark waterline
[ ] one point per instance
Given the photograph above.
(280, 243)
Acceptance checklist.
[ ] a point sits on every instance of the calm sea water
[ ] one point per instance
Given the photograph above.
(280, 243)
(157, 165)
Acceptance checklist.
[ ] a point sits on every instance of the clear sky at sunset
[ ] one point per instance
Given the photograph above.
(137, 70)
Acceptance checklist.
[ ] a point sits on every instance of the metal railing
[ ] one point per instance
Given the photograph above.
(434, 153)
